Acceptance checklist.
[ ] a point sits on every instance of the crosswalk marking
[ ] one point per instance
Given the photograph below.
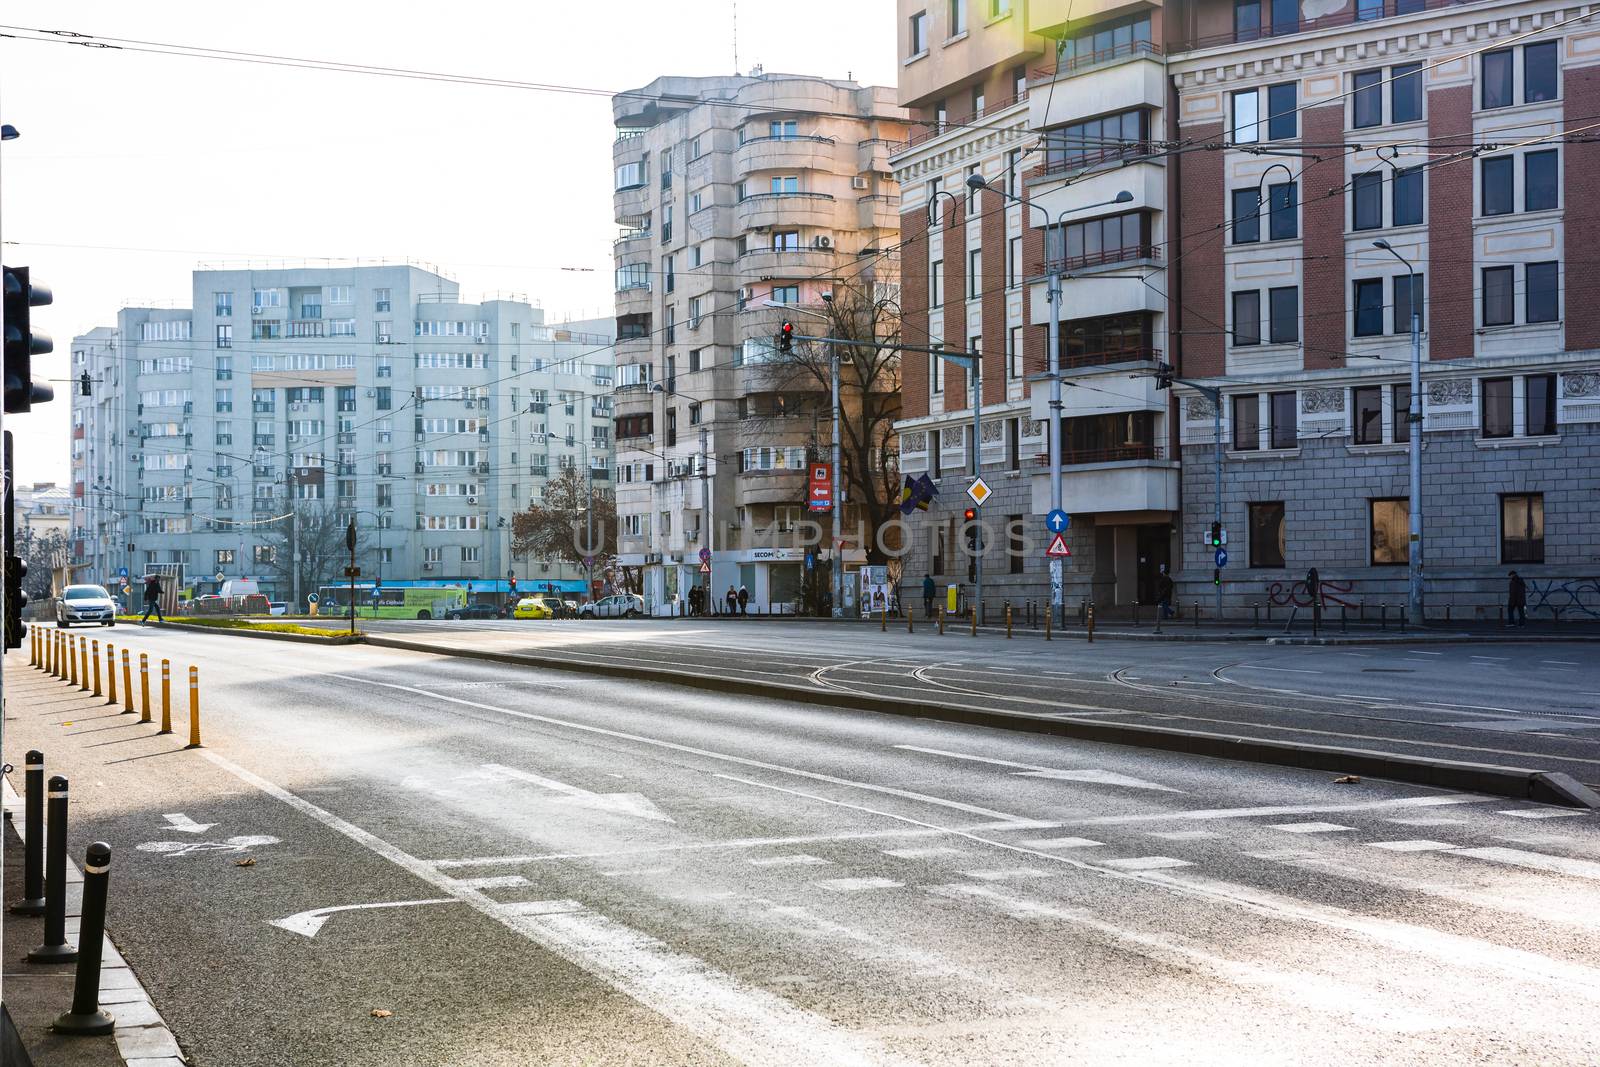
(797, 860)
(921, 853)
(1310, 827)
(1428, 820)
(499, 881)
(1183, 835)
(1411, 846)
(1537, 861)
(1007, 875)
(1061, 842)
(856, 885)
(1146, 863)
(1540, 813)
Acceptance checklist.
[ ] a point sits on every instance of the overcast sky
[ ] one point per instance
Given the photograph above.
(133, 169)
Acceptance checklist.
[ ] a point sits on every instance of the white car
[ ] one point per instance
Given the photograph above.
(85, 603)
(618, 606)
(278, 607)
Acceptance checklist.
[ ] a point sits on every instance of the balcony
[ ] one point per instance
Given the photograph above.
(630, 202)
(1104, 257)
(1244, 35)
(785, 209)
(1131, 478)
(636, 239)
(927, 131)
(634, 299)
(782, 153)
(1088, 61)
(306, 328)
(1109, 358)
(781, 486)
(873, 154)
(878, 212)
(787, 262)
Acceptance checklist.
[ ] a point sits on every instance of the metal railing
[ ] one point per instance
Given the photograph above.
(1116, 454)
(1391, 9)
(1101, 258)
(1134, 354)
(1093, 158)
(1126, 50)
(786, 196)
(814, 137)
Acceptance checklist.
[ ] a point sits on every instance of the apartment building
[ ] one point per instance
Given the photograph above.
(44, 508)
(1263, 148)
(1053, 106)
(373, 392)
(733, 194)
(1440, 130)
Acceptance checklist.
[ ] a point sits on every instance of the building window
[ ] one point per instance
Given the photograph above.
(1540, 180)
(958, 17)
(1246, 216)
(223, 304)
(1499, 300)
(1367, 421)
(225, 557)
(1247, 116)
(1283, 431)
(1522, 528)
(1369, 307)
(1407, 287)
(936, 283)
(1401, 413)
(1014, 543)
(1266, 535)
(1496, 407)
(1366, 202)
(1111, 239)
(974, 262)
(1246, 20)
(781, 294)
(1543, 300)
(1283, 122)
(1247, 317)
(469, 553)
(936, 543)
(1406, 190)
(1405, 93)
(1388, 526)
(1367, 99)
(1541, 405)
(1497, 84)
(262, 554)
(1498, 186)
(224, 335)
(1539, 72)
(1246, 423)
(979, 101)
(1283, 221)
(935, 379)
(380, 300)
(1014, 369)
(1284, 314)
(1013, 262)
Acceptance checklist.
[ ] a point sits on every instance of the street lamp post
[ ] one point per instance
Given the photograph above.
(976, 182)
(1414, 440)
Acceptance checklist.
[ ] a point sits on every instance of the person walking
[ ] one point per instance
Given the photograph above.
(744, 600)
(1164, 589)
(1516, 600)
(1314, 591)
(732, 600)
(928, 590)
(152, 598)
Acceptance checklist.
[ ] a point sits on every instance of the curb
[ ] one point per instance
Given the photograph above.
(270, 635)
(1520, 783)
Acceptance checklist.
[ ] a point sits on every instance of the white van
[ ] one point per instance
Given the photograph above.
(240, 587)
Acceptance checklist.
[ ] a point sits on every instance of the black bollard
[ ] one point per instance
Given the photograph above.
(87, 1019)
(32, 902)
(55, 948)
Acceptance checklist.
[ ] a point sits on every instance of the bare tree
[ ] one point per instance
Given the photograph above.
(43, 553)
(557, 527)
(869, 390)
(319, 539)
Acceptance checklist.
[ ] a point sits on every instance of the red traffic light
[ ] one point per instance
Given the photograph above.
(970, 514)
(788, 329)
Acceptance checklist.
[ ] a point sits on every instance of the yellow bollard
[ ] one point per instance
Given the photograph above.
(194, 708)
(55, 655)
(33, 648)
(97, 691)
(83, 654)
(144, 687)
(111, 673)
(1008, 622)
(909, 612)
(1049, 616)
(166, 697)
(941, 622)
(974, 613)
(49, 654)
(72, 658)
(127, 685)
(883, 620)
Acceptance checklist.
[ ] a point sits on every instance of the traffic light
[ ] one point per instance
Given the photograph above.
(1216, 535)
(970, 514)
(1163, 376)
(1216, 575)
(974, 546)
(84, 389)
(786, 337)
(16, 600)
(22, 343)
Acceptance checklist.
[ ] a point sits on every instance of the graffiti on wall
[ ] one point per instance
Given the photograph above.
(1333, 594)
(1577, 596)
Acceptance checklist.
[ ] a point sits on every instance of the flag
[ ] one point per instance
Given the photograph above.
(926, 491)
(917, 494)
(908, 496)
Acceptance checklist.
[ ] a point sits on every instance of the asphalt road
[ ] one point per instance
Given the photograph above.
(1521, 704)
(539, 867)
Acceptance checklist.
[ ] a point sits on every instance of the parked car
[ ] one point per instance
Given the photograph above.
(554, 605)
(532, 607)
(472, 611)
(85, 603)
(278, 607)
(618, 606)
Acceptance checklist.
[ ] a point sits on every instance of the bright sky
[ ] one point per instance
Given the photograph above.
(132, 169)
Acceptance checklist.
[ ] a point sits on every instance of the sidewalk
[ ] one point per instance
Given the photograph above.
(35, 994)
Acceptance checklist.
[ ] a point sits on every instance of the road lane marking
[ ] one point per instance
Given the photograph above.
(748, 1023)
(1280, 670)
(1007, 874)
(493, 881)
(922, 853)
(694, 751)
(1537, 861)
(1061, 842)
(796, 860)
(857, 885)
(1540, 813)
(1428, 820)
(633, 804)
(1412, 846)
(1146, 863)
(307, 923)
(1034, 770)
(1561, 662)
(1310, 827)
(1300, 809)
(1419, 652)
(695, 846)
(184, 825)
(541, 907)
(1183, 835)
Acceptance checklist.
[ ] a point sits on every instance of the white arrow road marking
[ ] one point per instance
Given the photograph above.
(635, 804)
(194, 848)
(184, 825)
(1032, 770)
(307, 923)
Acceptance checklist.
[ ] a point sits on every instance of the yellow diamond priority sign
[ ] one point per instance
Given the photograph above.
(979, 491)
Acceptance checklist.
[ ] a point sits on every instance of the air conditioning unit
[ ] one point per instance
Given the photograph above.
(371, 393)
(823, 241)
(760, 229)
(472, 500)
(858, 183)
(255, 309)
(427, 566)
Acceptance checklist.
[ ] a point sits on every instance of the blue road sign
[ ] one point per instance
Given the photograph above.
(1057, 521)
(1222, 557)
(122, 572)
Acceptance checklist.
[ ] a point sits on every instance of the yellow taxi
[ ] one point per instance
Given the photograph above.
(531, 607)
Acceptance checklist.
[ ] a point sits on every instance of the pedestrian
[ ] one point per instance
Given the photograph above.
(1516, 601)
(744, 600)
(152, 598)
(1314, 591)
(928, 590)
(1164, 592)
(732, 599)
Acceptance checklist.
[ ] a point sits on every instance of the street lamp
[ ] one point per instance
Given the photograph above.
(976, 182)
(1414, 424)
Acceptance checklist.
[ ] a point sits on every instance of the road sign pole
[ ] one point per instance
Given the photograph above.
(977, 475)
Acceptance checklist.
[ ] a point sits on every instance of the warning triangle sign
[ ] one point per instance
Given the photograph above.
(1058, 547)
